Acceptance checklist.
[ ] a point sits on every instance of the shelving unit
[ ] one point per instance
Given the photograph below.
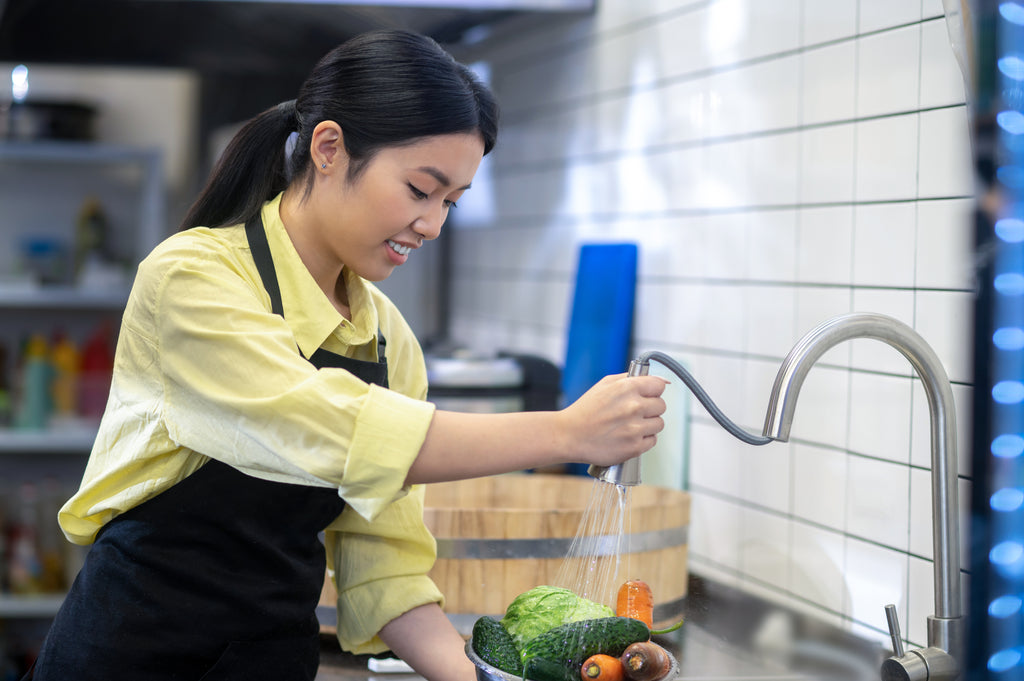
(29, 607)
(42, 187)
(76, 439)
(91, 156)
(61, 298)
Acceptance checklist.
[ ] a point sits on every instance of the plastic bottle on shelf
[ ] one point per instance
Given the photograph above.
(90, 234)
(96, 263)
(33, 403)
(66, 362)
(24, 565)
(97, 368)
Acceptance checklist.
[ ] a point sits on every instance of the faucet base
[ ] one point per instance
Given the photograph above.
(926, 664)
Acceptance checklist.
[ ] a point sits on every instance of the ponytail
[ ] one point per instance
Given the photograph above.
(250, 172)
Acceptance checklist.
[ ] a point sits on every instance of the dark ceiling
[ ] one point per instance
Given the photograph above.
(209, 36)
(248, 55)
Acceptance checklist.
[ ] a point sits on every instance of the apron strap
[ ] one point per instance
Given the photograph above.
(257, 238)
(256, 235)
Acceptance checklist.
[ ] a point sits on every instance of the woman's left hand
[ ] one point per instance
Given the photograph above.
(426, 640)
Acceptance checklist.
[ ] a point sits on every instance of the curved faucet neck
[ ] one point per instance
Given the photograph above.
(944, 626)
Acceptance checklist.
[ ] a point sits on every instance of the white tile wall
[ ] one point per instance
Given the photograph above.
(888, 71)
(941, 80)
(886, 158)
(944, 255)
(817, 570)
(826, 164)
(878, 424)
(945, 169)
(883, 244)
(779, 162)
(829, 88)
(877, 15)
(825, 22)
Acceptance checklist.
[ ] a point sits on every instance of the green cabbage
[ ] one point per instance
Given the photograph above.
(541, 608)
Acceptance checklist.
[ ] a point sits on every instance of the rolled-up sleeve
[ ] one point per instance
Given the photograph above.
(380, 570)
(379, 454)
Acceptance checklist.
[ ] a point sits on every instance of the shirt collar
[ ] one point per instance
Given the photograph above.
(306, 308)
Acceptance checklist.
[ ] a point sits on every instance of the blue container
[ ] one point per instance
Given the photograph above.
(601, 325)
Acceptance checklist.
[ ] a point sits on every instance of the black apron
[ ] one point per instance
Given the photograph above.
(216, 578)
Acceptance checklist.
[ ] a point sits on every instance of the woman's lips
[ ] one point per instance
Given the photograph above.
(399, 248)
(397, 252)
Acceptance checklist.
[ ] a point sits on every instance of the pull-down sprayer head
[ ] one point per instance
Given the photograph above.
(628, 472)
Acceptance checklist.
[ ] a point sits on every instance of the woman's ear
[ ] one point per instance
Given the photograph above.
(327, 146)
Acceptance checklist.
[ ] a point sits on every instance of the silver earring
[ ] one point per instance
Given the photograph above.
(323, 165)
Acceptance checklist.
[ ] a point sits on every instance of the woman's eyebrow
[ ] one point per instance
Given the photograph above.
(438, 175)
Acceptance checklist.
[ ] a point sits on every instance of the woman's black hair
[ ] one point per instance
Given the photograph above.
(384, 88)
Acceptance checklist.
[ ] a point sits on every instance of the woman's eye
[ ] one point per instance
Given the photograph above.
(420, 195)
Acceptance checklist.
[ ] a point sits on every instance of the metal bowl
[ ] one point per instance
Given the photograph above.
(485, 672)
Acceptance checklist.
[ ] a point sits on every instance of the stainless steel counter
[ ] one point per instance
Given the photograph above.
(728, 636)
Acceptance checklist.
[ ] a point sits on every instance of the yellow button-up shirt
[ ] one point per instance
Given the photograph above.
(205, 369)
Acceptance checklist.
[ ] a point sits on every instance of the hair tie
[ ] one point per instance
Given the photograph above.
(288, 109)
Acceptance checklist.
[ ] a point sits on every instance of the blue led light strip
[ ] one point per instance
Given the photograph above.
(1004, 656)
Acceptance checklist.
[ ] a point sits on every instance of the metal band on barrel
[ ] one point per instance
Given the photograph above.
(558, 547)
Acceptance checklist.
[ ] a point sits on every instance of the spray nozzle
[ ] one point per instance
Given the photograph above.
(627, 472)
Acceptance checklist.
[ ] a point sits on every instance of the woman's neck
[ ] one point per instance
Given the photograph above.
(327, 272)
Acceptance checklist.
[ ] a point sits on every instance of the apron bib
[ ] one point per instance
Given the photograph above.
(215, 579)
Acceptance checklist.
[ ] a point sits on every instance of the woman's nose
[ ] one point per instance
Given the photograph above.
(429, 224)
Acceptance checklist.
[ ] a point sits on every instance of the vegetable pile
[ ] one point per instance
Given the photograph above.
(551, 634)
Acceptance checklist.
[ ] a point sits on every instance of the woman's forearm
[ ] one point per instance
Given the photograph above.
(615, 420)
(461, 445)
(425, 639)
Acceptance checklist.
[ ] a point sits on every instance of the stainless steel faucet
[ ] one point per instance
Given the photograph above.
(942, 658)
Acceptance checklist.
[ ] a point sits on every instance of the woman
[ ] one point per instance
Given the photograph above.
(265, 391)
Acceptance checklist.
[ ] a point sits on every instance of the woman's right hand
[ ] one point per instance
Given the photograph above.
(617, 419)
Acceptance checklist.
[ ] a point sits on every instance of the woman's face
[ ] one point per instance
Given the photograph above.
(373, 223)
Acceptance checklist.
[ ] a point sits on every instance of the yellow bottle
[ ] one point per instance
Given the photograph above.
(66, 362)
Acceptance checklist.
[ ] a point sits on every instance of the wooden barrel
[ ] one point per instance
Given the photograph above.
(500, 536)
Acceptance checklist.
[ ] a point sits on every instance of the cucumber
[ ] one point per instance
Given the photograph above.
(543, 669)
(570, 644)
(495, 647)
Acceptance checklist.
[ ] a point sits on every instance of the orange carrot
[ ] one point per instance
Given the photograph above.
(601, 667)
(645, 661)
(636, 600)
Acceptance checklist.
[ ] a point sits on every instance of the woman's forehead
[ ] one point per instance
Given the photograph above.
(451, 159)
